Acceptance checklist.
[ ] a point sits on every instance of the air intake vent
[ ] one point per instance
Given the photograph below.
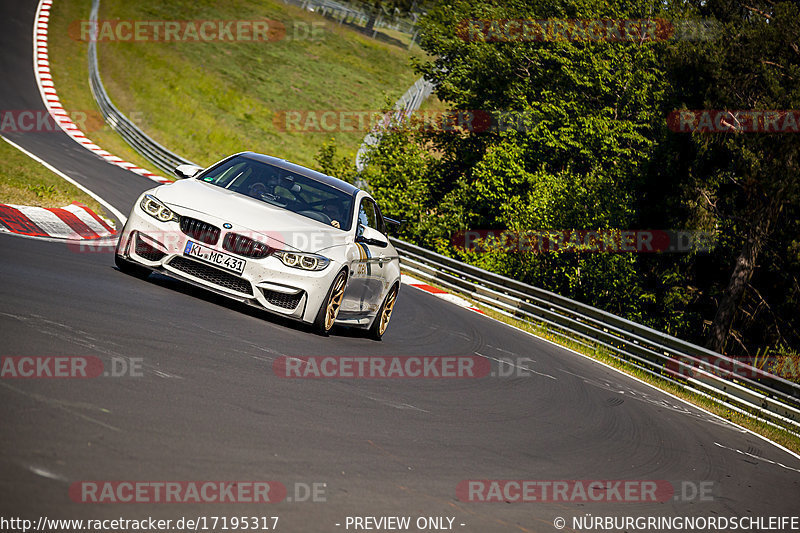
(199, 230)
(245, 246)
(211, 275)
(287, 301)
(145, 251)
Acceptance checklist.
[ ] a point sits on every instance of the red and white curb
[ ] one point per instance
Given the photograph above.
(439, 293)
(72, 222)
(41, 68)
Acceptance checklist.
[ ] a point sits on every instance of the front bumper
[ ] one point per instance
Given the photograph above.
(264, 282)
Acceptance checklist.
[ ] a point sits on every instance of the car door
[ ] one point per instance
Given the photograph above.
(368, 275)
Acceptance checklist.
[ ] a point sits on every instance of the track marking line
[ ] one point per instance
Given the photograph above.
(396, 405)
(46, 473)
(754, 456)
(58, 404)
(111, 209)
(509, 363)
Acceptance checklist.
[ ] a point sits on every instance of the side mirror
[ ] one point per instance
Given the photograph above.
(372, 237)
(187, 171)
(392, 225)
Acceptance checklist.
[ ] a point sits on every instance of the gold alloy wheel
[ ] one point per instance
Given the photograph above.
(387, 312)
(334, 302)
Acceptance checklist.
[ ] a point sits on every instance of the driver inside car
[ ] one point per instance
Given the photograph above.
(333, 210)
(260, 186)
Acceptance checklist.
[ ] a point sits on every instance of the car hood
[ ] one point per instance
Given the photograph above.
(280, 228)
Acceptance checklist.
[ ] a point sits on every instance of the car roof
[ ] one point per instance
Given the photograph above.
(336, 183)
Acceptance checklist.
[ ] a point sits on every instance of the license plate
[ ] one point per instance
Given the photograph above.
(213, 257)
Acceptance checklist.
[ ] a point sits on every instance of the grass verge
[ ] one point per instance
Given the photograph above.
(70, 71)
(24, 181)
(205, 100)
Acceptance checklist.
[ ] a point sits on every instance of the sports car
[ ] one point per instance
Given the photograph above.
(271, 233)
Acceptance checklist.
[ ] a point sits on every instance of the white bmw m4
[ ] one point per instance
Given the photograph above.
(270, 233)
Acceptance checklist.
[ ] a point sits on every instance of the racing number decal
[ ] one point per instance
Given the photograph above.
(364, 267)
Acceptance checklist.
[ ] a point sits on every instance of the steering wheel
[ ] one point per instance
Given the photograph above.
(257, 190)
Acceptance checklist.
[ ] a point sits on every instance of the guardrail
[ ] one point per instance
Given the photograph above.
(144, 145)
(166, 160)
(727, 381)
(406, 104)
(736, 385)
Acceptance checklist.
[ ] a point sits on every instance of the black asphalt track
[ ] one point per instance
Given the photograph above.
(208, 405)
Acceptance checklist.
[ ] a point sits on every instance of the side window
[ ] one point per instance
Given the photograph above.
(381, 225)
(366, 215)
(370, 216)
(233, 174)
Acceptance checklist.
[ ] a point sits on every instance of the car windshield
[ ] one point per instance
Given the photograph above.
(283, 188)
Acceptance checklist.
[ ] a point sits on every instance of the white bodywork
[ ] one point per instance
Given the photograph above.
(372, 269)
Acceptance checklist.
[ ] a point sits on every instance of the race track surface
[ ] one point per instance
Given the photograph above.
(208, 405)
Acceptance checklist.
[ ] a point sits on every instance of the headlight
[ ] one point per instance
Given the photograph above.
(303, 261)
(156, 209)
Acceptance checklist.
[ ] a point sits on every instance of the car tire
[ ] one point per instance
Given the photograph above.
(381, 322)
(131, 268)
(326, 316)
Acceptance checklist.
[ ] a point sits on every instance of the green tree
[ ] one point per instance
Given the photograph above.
(591, 149)
(747, 181)
(574, 160)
